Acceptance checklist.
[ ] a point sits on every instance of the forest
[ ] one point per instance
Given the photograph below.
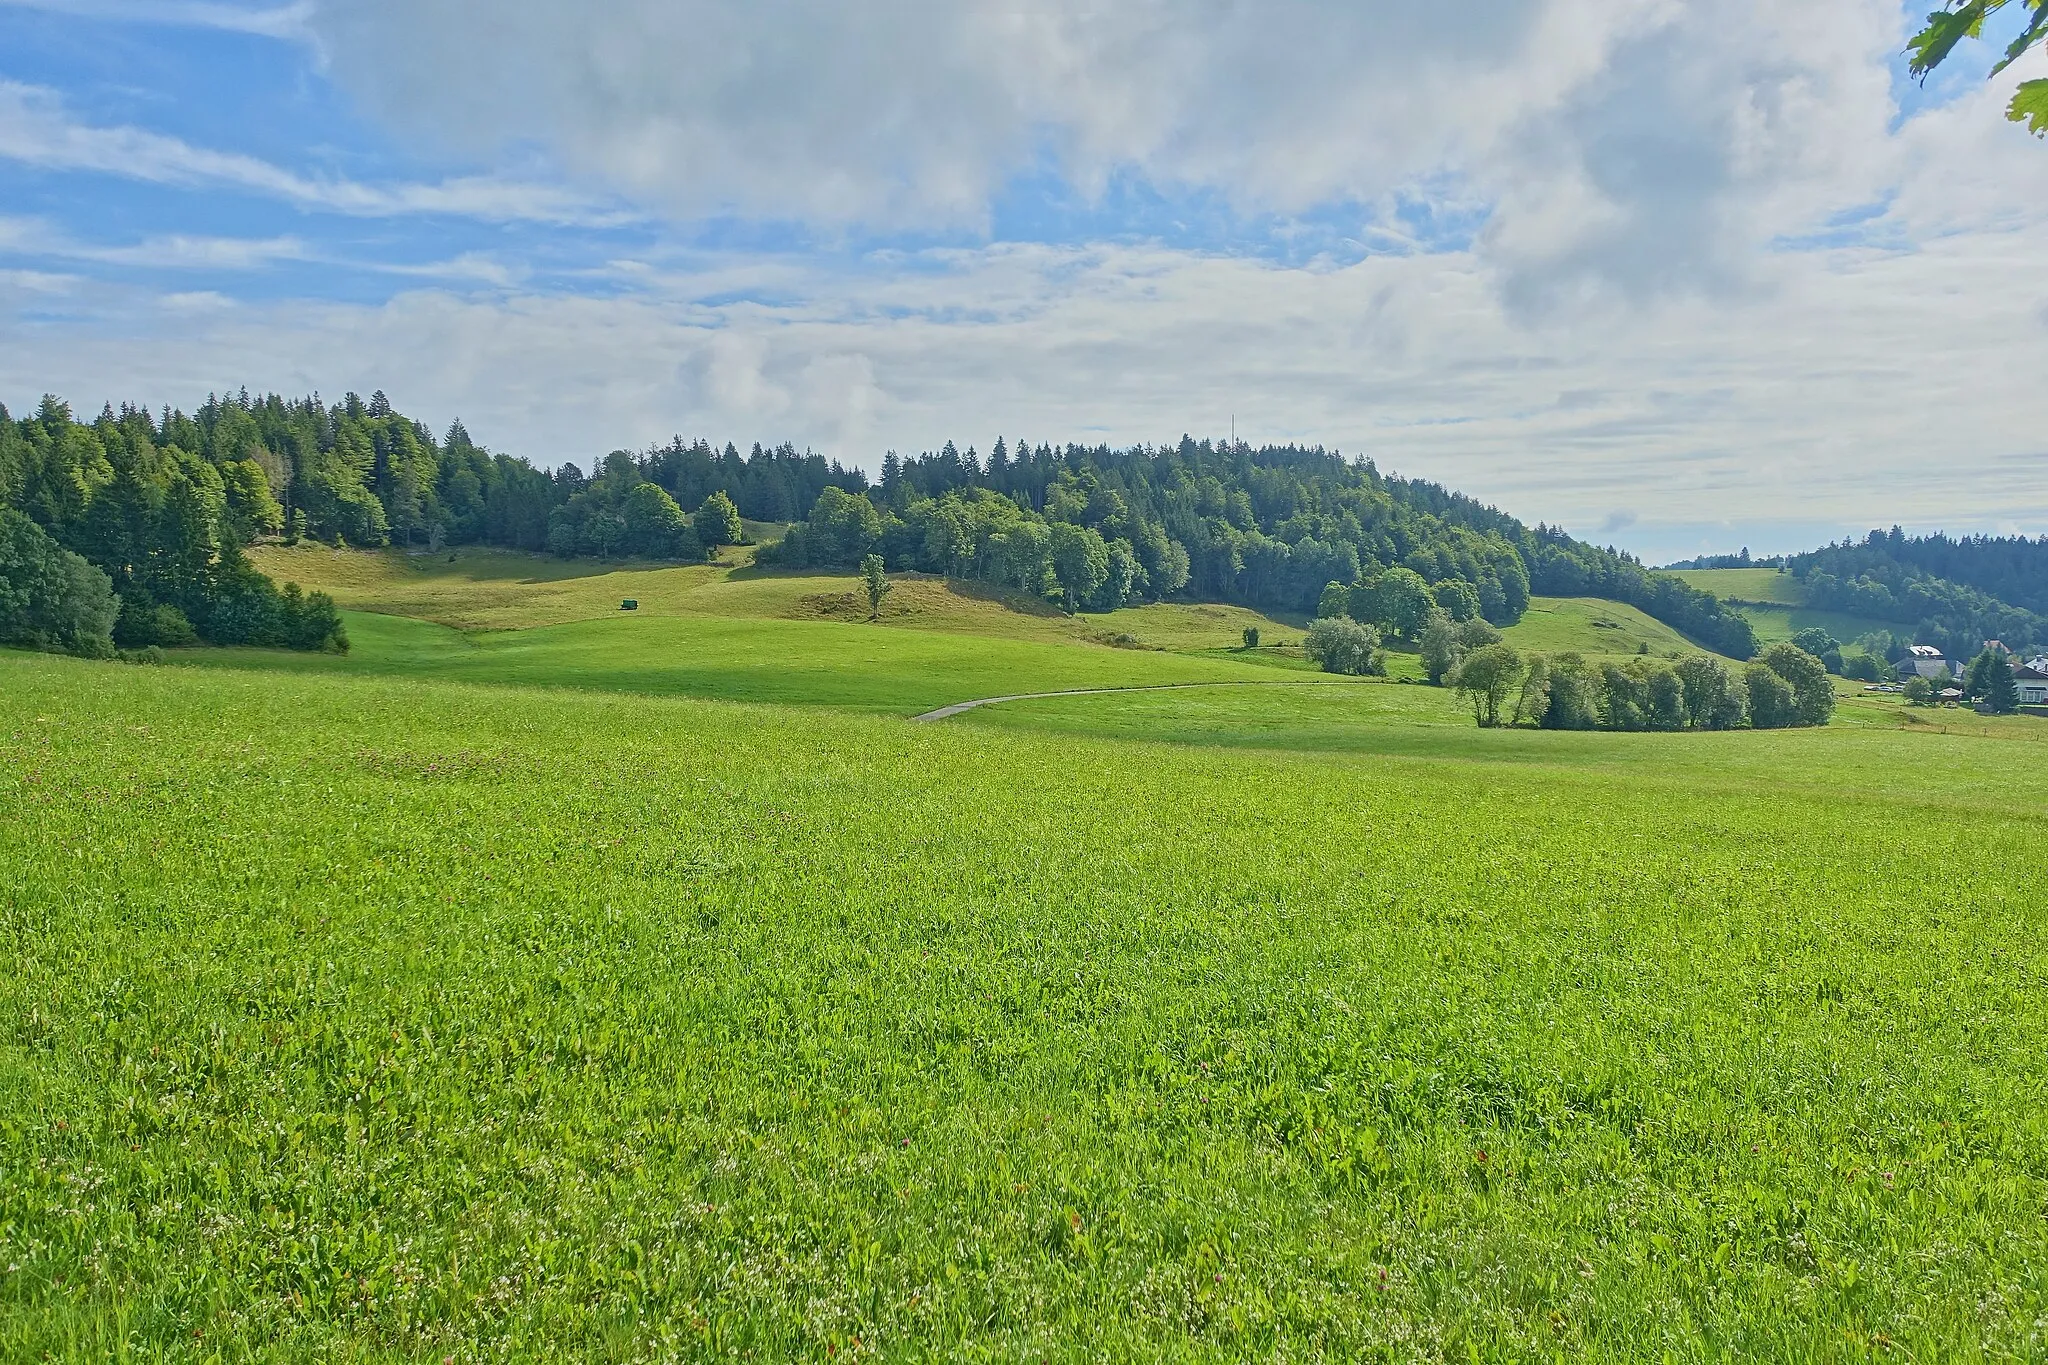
(1271, 527)
(1956, 593)
(162, 504)
(127, 531)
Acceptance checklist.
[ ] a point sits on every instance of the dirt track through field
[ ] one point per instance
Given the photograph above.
(957, 707)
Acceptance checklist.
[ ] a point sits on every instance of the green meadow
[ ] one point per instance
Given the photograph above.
(542, 981)
(1775, 604)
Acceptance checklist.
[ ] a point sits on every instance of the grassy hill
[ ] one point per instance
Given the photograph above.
(1775, 604)
(732, 631)
(1593, 627)
(362, 1016)
(821, 663)
(1745, 585)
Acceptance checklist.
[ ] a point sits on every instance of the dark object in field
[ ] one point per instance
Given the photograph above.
(630, 604)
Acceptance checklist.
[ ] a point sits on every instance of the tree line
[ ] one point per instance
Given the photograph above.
(128, 532)
(1787, 687)
(1095, 528)
(1092, 528)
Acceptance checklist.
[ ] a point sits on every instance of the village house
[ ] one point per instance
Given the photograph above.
(2033, 683)
(1926, 661)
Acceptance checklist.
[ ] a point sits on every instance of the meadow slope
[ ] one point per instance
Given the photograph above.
(365, 1018)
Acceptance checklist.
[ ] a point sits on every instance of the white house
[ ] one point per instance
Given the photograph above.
(2033, 684)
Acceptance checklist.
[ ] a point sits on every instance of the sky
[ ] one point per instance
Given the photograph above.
(1682, 276)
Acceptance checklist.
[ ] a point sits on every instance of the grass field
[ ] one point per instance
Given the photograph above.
(499, 590)
(818, 663)
(1782, 623)
(1746, 585)
(353, 1017)
(1593, 626)
(1775, 604)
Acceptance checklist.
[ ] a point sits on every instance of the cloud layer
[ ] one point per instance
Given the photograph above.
(1642, 143)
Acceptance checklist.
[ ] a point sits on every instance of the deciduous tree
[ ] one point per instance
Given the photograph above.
(1486, 677)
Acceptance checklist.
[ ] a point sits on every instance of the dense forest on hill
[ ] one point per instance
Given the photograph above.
(1953, 593)
(1270, 527)
(162, 504)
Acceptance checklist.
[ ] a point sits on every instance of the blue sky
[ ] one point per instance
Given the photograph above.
(1686, 278)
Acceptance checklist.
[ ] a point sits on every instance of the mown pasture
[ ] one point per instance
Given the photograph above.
(501, 590)
(364, 1017)
(730, 631)
(1775, 604)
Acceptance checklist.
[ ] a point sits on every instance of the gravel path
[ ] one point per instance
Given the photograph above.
(957, 707)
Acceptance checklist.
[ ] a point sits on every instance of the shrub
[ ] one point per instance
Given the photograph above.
(145, 624)
(1251, 637)
(1342, 645)
(1441, 648)
(717, 522)
(656, 527)
(1575, 695)
(1822, 646)
(1456, 598)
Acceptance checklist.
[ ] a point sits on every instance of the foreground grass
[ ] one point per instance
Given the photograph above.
(356, 1018)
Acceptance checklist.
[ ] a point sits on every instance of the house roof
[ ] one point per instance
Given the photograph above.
(1923, 651)
(2029, 673)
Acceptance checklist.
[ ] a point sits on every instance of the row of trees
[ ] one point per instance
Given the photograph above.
(1787, 687)
(113, 512)
(359, 473)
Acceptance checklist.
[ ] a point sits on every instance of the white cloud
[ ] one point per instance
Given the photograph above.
(268, 21)
(36, 238)
(1645, 144)
(36, 131)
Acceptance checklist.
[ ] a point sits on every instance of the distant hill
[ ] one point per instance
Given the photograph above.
(1268, 528)
(1952, 593)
